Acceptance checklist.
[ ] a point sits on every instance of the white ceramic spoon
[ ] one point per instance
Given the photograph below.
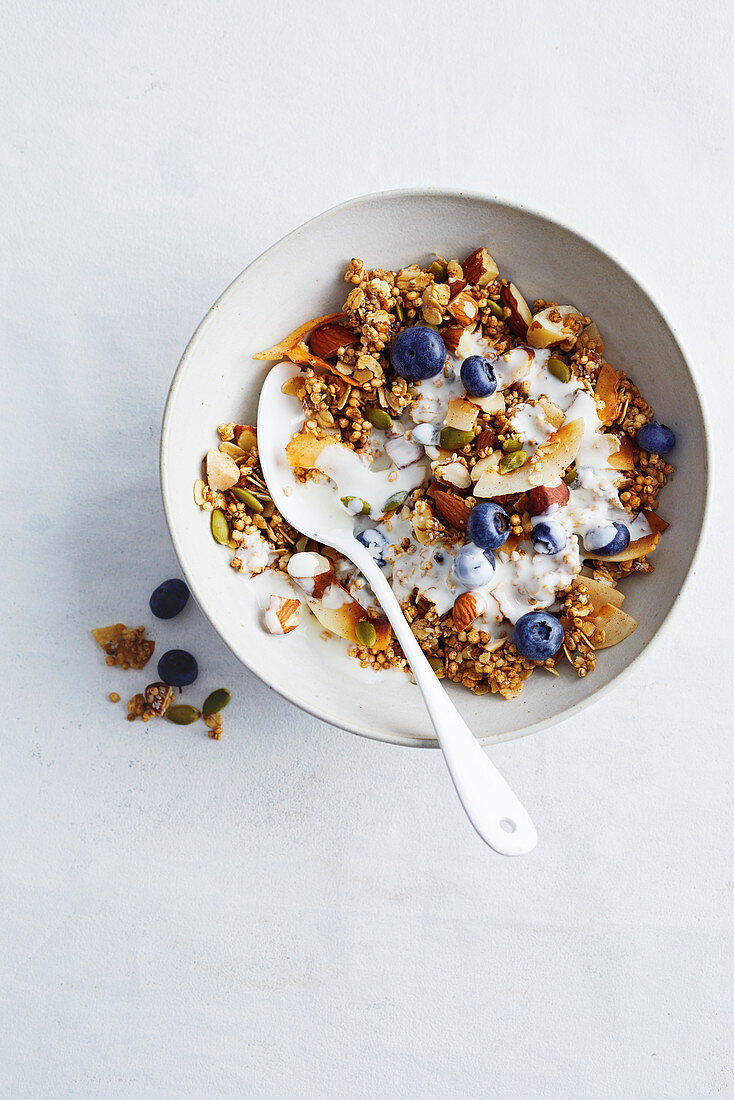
(493, 809)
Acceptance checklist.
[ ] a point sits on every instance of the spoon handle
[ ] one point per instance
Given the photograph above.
(493, 809)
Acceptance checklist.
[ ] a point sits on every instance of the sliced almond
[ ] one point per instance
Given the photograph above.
(490, 462)
(222, 472)
(553, 414)
(454, 473)
(233, 451)
(245, 437)
(554, 325)
(199, 488)
(546, 465)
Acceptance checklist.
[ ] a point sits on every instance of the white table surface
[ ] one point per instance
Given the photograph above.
(295, 912)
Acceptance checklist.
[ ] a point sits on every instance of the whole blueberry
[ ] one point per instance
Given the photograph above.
(417, 353)
(477, 376)
(548, 537)
(177, 668)
(473, 567)
(488, 525)
(169, 599)
(608, 538)
(538, 635)
(656, 438)
(374, 542)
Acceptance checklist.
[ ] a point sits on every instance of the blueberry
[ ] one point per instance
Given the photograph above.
(548, 537)
(609, 538)
(473, 567)
(417, 353)
(488, 525)
(477, 376)
(169, 599)
(656, 438)
(374, 542)
(538, 635)
(177, 668)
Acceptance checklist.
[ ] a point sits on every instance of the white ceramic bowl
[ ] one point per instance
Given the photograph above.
(301, 277)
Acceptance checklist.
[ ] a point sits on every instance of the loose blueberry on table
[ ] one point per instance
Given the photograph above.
(178, 668)
(169, 599)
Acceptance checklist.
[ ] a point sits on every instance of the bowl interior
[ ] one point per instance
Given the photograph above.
(301, 277)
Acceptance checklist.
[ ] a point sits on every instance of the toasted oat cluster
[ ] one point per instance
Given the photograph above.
(500, 470)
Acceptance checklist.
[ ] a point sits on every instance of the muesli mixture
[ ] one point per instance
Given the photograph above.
(501, 471)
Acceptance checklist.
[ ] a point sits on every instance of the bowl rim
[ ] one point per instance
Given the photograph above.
(448, 193)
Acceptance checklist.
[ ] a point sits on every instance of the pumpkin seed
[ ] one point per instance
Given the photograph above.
(514, 443)
(512, 461)
(220, 527)
(571, 475)
(397, 500)
(496, 309)
(559, 369)
(452, 439)
(436, 664)
(425, 324)
(366, 633)
(379, 419)
(216, 701)
(182, 715)
(399, 312)
(244, 497)
(363, 510)
(439, 271)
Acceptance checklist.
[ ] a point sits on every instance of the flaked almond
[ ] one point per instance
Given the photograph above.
(467, 608)
(463, 308)
(553, 414)
(520, 316)
(199, 488)
(452, 509)
(479, 268)
(541, 497)
(312, 572)
(326, 341)
(457, 341)
(245, 436)
(222, 472)
(282, 614)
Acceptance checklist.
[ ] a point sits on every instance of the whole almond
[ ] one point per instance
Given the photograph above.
(455, 287)
(452, 509)
(326, 341)
(467, 608)
(486, 440)
(282, 614)
(542, 496)
(520, 316)
(479, 268)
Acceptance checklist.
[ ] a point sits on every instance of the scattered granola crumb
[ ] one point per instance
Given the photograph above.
(124, 646)
(114, 697)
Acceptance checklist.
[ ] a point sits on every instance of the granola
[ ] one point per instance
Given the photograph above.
(521, 414)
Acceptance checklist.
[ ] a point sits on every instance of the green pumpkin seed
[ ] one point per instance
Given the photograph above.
(436, 664)
(514, 443)
(452, 439)
(425, 324)
(399, 312)
(571, 475)
(366, 633)
(216, 701)
(364, 510)
(244, 497)
(559, 369)
(439, 271)
(182, 715)
(496, 309)
(512, 461)
(220, 527)
(379, 419)
(397, 500)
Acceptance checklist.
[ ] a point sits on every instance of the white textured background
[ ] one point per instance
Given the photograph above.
(294, 912)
